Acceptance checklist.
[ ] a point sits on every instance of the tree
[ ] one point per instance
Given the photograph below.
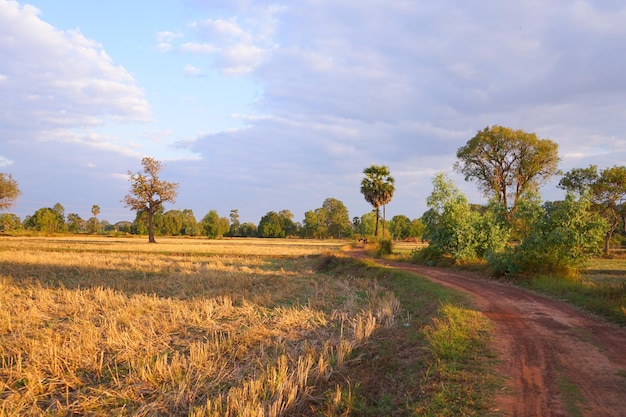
(400, 227)
(507, 164)
(45, 220)
(606, 190)
(234, 223)
(95, 210)
(337, 219)
(75, 223)
(367, 226)
(561, 238)
(171, 223)
(271, 225)
(448, 226)
(377, 187)
(313, 227)
(190, 226)
(214, 225)
(9, 222)
(148, 193)
(248, 229)
(9, 191)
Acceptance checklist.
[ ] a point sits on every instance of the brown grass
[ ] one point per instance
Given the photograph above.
(100, 326)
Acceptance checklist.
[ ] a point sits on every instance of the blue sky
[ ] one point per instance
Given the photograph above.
(264, 106)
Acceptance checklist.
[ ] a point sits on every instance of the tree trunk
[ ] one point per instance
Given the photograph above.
(377, 216)
(150, 228)
(384, 219)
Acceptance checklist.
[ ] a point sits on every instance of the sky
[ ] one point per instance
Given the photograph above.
(277, 105)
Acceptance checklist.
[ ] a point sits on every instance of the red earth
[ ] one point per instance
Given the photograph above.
(557, 359)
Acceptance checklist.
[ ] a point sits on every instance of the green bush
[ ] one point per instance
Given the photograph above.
(385, 247)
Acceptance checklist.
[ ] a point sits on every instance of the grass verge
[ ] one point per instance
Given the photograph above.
(435, 361)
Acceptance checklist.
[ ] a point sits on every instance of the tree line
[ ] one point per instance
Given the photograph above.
(148, 193)
(515, 231)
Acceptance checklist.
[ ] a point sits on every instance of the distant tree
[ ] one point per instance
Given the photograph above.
(367, 224)
(9, 222)
(337, 220)
(507, 164)
(400, 227)
(148, 193)
(215, 226)
(248, 229)
(123, 226)
(377, 187)
(95, 210)
(606, 190)
(190, 225)
(271, 225)
(9, 191)
(171, 223)
(45, 220)
(75, 223)
(312, 226)
(417, 229)
(234, 223)
(290, 228)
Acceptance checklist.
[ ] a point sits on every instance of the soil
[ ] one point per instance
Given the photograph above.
(557, 359)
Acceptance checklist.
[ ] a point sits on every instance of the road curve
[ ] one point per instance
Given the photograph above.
(555, 357)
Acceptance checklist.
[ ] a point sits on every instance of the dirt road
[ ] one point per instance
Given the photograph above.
(558, 361)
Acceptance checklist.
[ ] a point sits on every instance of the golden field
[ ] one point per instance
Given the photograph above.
(117, 326)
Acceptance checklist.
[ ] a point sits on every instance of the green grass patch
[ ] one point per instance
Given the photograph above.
(570, 396)
(591, 291)
(434, 361)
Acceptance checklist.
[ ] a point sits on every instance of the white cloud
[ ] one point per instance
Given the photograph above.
(192, 71)
(239, 45)
(60, 80)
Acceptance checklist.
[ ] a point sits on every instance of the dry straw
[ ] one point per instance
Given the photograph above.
(116, 327)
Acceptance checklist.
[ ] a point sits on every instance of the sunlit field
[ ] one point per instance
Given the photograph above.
(104, 326)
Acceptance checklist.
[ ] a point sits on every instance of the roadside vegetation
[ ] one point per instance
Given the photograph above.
(103, 326)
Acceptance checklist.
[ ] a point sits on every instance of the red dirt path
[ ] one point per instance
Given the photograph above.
(545, 345)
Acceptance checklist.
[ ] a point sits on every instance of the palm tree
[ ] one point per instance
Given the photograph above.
(95, 210)
(377, 188)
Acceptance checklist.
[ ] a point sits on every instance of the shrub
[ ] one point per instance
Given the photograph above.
(385, 247)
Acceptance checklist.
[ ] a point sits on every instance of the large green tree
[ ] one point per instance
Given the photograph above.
(9, 191)
(47, 220)
(378, 187)
(605, 188)
(148, 193)
(215, 226)
(507, 164)
(272, 225)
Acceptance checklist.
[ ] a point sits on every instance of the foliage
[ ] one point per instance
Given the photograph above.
(148, 193)
(507, 164)
(607, 191)
(9, 222)
(46, 220)
(248, 229)
(234, 223)
(400, 227)
(431, 256)
(561, 237)
(215, 226)
(9, 191)
(377, 187)
(385, 247)
(366, 225)
(75, 223)
(271, 225)
(449, 220)
(329, 221)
